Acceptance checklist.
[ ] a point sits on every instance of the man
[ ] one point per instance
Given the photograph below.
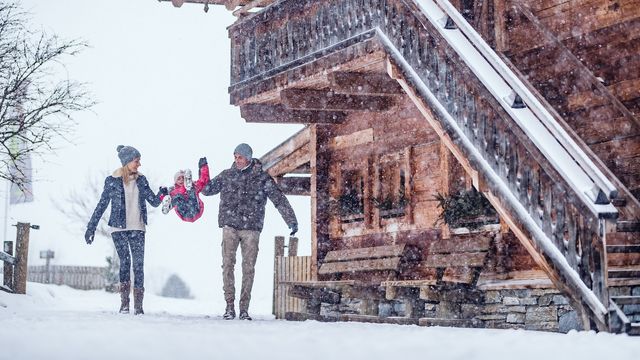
(244, 189)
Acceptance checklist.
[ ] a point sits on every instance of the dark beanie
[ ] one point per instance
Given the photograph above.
(244, 150)
(127, 154)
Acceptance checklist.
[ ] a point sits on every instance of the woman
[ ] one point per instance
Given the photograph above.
(127, 190)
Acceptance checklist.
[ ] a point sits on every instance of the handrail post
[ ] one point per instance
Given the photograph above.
(278, 251)
(293, 246)
(8, 268)
(22, 254)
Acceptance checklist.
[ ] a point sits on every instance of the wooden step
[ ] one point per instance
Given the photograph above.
(635, 329)
(628, 226)
(627, 249)
(623, 282)
(623, 238)
(626, 300)
(624, 272)
(619, 202)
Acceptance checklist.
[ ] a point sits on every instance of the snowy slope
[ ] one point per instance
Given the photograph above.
(54, 322)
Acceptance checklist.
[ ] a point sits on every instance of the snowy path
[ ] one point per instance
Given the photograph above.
(60, 323)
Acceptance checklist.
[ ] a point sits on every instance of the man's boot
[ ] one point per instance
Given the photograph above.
(229, 312)
(138, 295)
(244, 315)
(125, 289)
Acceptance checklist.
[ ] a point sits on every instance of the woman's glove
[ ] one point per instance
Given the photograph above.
(202, 162)
(89, 235)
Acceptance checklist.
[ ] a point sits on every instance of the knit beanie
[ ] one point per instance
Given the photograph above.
(244, 150)
(177, 175)
(127, 154)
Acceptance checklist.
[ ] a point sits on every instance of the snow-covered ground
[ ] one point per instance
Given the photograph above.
(56, 322)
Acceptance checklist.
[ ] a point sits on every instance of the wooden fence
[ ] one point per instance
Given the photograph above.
(286, 269)
(77, 277)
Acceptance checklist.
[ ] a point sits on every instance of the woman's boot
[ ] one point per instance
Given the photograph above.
(125, 289)
(138, 295)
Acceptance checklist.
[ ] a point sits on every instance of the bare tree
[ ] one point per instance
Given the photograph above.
(36, 105)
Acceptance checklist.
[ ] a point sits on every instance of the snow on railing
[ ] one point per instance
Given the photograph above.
(534, 119)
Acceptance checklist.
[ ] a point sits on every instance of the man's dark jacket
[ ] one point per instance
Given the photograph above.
(243, 197)
(114, 192)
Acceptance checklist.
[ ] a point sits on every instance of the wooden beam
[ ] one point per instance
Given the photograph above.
(286, 148)
(262, 113)
(295, 185)
(360, 83)
(290, 162)
(359, 265)
(328, 100)
(361, 137)
(250, 5)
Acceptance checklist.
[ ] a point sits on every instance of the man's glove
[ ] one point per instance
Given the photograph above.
(89, 235)
(294, 229)
(202, 162)
(163, 191)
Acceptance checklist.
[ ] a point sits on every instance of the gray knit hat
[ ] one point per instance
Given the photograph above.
(244, 150)
(127, 154)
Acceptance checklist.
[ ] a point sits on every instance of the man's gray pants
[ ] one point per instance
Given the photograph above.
(248, 241)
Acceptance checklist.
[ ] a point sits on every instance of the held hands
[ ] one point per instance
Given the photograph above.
(163, 191)
(202, 162)
(89, 235)
(294, 229)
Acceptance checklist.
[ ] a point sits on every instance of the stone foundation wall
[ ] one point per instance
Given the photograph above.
(529, 309)
(537, 309)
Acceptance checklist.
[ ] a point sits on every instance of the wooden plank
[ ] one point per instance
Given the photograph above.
(361, 83)
(279, 114)
(323, 284)
(286, 148)
(22, 254)
(515, 284)
(409, 283)
(312, 99)
(250, 5)
(289, 163)
(626, 300)
(359, 265)
(365, 253)
(462, 275)
(624, 272)
(460, 245)
(628, 226)
(7, 258)
(361, 137)
(619, 259)
(447, 260)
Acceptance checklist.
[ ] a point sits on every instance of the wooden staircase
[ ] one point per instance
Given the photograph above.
(624, 312)
(553, 194)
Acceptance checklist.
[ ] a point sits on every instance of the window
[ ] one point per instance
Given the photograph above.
(352, 196)
(393, 182)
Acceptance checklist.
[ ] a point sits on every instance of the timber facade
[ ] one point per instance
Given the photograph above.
(526, 109)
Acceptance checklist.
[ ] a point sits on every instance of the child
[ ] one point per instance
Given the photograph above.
(184, 196)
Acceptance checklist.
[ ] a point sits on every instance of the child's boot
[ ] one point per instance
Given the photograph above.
(188, 179)
(166, 204)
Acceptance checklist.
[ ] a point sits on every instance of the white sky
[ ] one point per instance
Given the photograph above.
(160, 75)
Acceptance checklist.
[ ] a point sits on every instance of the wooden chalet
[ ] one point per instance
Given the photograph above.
(534, 104)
